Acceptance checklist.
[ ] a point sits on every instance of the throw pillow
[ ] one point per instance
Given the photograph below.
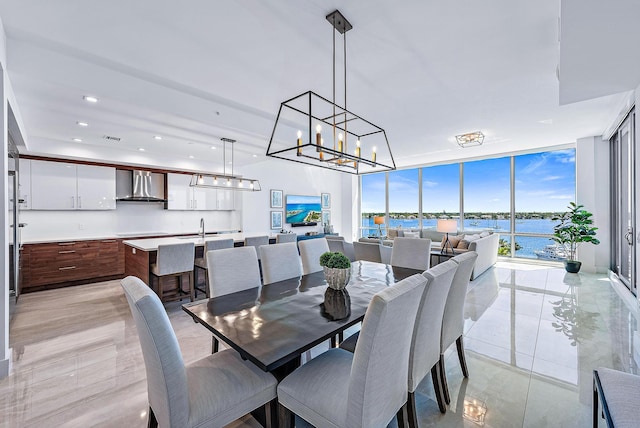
(412, 234)
(471, 238)
(484, 234)
(392, 233)
(455, 240)
(463, 244)
(401, 233)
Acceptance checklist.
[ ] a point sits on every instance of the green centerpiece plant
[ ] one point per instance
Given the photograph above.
(576, 226)
(337, 269)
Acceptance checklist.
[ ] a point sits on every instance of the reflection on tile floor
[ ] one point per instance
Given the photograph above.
(533, 336)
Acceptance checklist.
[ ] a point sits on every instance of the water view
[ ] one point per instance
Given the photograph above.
(526, 246)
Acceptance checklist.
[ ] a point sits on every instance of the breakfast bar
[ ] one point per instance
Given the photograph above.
(140, 254)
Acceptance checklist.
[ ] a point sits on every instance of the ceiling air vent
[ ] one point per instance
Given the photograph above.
(111, 138)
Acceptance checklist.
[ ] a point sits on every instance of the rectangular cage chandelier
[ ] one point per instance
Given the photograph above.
(224, 180)
(313, 130)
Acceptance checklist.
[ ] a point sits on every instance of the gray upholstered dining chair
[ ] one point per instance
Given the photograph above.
(425, 346)
(412, 253)
(280, 262)
(310, 251)
(368, 251)
(281, 238)
(256, 241)
(453, 319)
(174, 260)
(201, 262)
(366, 388)
(212, 391)
(231, 270)
(337, 244)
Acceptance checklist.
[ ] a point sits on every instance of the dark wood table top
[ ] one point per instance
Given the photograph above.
(275, 324)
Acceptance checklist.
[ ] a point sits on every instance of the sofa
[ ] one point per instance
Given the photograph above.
(485, 244)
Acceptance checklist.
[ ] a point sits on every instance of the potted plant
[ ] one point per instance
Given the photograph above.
(575, 227)
(337, 269)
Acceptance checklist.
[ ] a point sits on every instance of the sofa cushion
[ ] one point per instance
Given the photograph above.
(484, 234)
(392, 233)
(463, 244)
(400, 233)
(471, 238)
(411, 234)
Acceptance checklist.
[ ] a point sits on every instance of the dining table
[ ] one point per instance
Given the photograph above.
(272, 326)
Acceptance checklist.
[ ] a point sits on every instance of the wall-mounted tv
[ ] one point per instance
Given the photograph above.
(303, 210)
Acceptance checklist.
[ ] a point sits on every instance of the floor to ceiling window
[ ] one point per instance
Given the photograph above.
(440, 193)
(372, 202)
(516, 196)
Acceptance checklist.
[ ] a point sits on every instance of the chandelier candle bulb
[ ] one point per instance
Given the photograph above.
(319, 148)
(200, 179)
(340, 142)
(318, 138)
(373, 154)
(358, 148)
(299, 143)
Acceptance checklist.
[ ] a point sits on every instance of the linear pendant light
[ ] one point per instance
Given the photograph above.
(312, 130)
(224, 180)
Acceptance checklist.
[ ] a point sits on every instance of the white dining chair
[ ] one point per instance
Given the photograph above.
(231, 270)
(425, 346)
(213, 391)
(453, 319)
(369, 387)
(339, 245)
(310, 252)
(201, 262)
(281, 238)
(280, 262)
(256, 242)
(412, 253)
(368, 251)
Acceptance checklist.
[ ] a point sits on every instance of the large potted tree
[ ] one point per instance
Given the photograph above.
(575, 226)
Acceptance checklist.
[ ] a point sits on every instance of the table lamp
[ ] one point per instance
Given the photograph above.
(379, 220)
(447, 226)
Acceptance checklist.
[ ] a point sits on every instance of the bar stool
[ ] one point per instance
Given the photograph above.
(174, 260)
(201, 262)
(256, 241)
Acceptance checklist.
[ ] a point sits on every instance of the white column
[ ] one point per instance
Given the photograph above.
(592, 191)
(5, 354)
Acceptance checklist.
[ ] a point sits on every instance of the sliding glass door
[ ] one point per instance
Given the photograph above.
(623, 202)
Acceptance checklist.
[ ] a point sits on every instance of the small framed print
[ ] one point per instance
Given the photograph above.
(326, 217)
(276, 198)
(276, 220)
(326, 200)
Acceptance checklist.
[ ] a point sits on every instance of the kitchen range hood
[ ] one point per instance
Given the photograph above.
(139, 186)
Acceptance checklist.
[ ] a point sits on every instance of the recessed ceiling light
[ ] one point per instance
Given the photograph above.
(229, 162)
(141, 149)
(77, 140)
(84, 124)
(90, 99)
(255, 156)
(190, 156)
(157, 137)
(213, 147)
(546, 121)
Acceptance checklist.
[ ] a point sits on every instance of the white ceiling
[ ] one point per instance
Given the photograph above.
(193, 72)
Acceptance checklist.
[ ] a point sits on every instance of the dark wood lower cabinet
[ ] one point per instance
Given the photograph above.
(59, 264)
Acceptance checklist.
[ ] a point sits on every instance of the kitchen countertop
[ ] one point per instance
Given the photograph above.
(151, 244)
(116, 236)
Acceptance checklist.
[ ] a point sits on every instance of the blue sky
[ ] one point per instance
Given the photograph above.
(544, 182)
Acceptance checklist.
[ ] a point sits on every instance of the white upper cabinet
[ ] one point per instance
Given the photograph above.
(181, 196)
(24, 190)
(66, 186)
(96, 187)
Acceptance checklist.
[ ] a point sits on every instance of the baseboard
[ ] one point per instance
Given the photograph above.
(5, 366)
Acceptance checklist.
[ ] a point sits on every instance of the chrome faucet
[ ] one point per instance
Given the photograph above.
(201, 233)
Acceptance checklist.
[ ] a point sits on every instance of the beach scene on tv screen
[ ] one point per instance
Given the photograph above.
(303, 209)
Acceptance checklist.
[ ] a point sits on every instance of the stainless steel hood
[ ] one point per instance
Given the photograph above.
(140, 186)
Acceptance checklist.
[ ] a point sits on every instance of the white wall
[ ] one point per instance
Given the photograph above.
(127, 218)
(592, 191)
(292, 179)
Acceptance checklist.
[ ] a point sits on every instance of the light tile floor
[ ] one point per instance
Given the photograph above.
(533, 335)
